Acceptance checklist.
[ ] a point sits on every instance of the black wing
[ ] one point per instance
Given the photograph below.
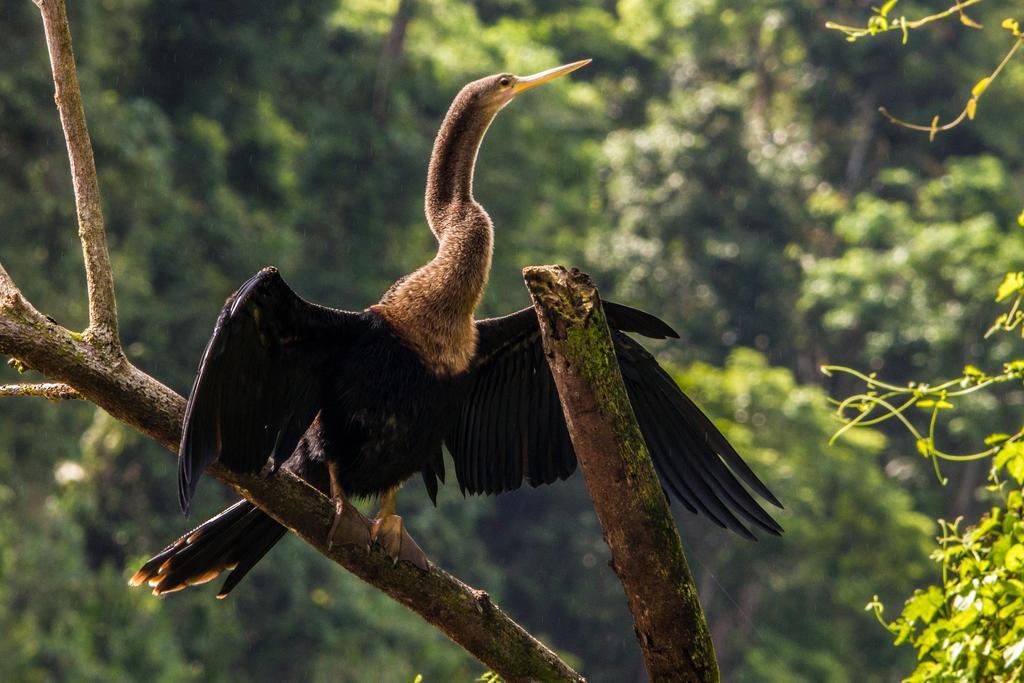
(511, 425)
(260, 381)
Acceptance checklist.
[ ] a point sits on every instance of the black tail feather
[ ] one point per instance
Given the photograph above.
(234, 540)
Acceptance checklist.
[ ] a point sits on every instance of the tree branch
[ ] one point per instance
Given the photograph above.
(99, 276)
(55, 391)
(93, 365)
(647, 554)
(464, 614)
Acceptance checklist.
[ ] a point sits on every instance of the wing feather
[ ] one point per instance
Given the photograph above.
(511, 426)
(260, 380)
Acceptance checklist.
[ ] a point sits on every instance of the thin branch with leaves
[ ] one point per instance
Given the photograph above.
(882, 401)
(881, 22)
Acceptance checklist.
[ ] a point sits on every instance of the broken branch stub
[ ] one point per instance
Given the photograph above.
(647, 553)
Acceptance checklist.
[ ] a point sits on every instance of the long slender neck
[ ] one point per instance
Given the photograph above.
(431, 309)
(450, 175)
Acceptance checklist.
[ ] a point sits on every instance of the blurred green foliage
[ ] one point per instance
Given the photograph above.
(719, 164)
(969, 626)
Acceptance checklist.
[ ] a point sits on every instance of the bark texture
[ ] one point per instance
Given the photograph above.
(647, 554)
(55, 391)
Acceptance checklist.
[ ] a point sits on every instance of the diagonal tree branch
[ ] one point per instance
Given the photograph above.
(647, 554)
(98, 273)
(93, 365)
(464, 614)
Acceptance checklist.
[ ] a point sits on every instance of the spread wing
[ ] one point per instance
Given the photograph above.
(511, 425)
(261, 378)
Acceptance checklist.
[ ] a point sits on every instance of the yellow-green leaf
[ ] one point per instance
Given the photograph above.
(973, 371)
(932, 403)
(1014, 558)
(972, 106)
(979, 87)
(1015, 467)
(1012, 283)
(967, 21)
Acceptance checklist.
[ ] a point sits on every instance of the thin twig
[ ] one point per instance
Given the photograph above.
(55, 391)
(967, 112)
(98, 272)
(881, 24)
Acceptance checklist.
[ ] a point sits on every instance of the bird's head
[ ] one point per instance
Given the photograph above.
(492, 93)
(450, 176)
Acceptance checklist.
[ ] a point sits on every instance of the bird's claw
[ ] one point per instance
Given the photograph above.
(349, 528)
(389, 533)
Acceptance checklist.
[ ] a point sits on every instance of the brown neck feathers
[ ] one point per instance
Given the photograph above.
(431, 309)
(450, 176)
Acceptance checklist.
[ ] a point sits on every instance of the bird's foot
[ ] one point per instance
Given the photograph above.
(389, 533)
(349, 528)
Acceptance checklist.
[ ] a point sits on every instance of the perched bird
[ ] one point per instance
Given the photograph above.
(358, 402)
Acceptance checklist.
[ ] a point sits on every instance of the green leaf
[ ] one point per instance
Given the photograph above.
(967, 21)
(1011, 457)
(1014, 558)
(924, 605)
(973, 372)
(932, 403)
(1012, 284)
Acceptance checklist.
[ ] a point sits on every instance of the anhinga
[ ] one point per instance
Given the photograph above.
(359, 402)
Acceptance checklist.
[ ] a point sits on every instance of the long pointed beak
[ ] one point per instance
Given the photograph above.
(527, 82)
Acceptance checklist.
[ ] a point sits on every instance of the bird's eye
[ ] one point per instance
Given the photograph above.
(504, 82)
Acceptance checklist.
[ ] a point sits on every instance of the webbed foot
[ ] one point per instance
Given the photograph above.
(389, 533)
(349, 528)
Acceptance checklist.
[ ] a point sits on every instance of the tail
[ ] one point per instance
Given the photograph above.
(234, 540)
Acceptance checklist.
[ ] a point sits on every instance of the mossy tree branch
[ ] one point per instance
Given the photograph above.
(647, 554)
(92, 365)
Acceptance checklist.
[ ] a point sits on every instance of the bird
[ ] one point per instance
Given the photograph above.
(358, 402)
